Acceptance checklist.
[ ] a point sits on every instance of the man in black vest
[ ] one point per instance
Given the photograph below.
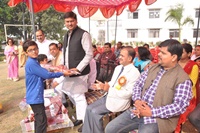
(77, 54)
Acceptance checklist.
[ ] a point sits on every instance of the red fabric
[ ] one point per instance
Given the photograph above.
(63, 8)
(149, 2)
(107, 12)
(183, 116)
(85, 8)
(154, 52)
(134, 5)
(95, 53)
(86, 11)
(188, 68)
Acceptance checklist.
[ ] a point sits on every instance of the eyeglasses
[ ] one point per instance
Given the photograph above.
(32, 50)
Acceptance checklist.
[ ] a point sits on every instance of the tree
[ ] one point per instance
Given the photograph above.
(50, 21)
(176, 15)
(13, 15)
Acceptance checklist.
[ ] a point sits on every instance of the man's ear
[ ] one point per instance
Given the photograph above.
(130, 58)
(174, 58)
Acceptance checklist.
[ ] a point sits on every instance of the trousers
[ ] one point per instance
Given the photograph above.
(93, 122)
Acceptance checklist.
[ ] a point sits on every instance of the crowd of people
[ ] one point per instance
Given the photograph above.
(151, 97)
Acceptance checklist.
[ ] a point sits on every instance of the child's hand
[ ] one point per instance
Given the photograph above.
(62, 67)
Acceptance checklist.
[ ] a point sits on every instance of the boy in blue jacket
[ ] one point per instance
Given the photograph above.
(35, 76)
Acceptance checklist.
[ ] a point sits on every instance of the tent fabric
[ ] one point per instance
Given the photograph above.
(86, 8)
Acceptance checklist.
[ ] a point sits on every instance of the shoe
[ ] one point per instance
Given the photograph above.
(9, 78)
(80, 129)
(16, 79)
(77, 122)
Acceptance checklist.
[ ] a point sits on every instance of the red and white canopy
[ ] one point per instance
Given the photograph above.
(86, 8)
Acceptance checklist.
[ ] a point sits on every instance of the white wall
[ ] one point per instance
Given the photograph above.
(143, 23)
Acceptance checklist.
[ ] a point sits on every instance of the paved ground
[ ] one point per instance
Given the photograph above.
(11, 94)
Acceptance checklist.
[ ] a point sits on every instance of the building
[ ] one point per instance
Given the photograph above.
(147, 24)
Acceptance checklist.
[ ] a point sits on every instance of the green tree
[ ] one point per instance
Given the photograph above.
(13, 15)
(52, 23)
(175, 14)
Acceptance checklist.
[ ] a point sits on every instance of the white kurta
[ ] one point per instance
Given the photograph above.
(75, 87)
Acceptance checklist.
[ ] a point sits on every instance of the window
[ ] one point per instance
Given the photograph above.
(132, 33)
(174, 32)
(154, 33)
(133, 15)
(154, 13)
(195, 33)
(196, 13)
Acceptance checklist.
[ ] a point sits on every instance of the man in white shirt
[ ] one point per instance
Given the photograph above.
(119, 93)
(43, 43)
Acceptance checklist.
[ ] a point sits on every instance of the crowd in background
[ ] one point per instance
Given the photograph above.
(98, 65)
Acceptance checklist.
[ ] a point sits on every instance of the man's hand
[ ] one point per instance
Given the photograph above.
(98, 86)
(67, 73)
(74, 71)
(144, 109)
(106, 86)
(136, 112)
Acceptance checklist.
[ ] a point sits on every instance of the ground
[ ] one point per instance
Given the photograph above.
(11, 93)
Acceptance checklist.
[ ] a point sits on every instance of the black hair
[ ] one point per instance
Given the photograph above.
(120, 43)
(29, 43)
(94, 46)
(173, 46)
(41, 57)
(10, 39)
(131, 51)
(188, 48)
(109, 44)
(41, 31)
(147, 45)
(70, 15)
(54, 44)
(143, 53)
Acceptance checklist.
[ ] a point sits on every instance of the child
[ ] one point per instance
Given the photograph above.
(43, 61)
(57, 82)
(35, 75)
